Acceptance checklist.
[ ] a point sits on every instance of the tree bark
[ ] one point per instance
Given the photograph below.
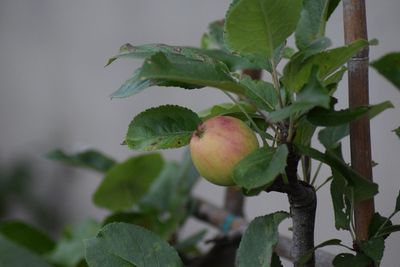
(303, 205)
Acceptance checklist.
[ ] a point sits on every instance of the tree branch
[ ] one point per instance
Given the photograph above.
(215, 216)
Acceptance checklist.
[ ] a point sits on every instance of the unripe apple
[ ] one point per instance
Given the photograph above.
(218, 145)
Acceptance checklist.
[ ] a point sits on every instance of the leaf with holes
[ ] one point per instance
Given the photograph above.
(162, 127)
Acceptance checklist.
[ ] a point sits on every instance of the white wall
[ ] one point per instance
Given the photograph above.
(55, 90)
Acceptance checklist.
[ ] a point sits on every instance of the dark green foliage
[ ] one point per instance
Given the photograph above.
(90, 159)
(259, 240)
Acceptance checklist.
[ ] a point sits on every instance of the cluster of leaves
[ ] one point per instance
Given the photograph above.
(290, 108)
(143, 193)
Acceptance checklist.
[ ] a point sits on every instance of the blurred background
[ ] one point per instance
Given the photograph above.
(54, 93)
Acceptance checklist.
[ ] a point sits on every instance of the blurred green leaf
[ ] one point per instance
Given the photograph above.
(397, 208)
(326, 117)
(216, 33)
(261, 167)
(330, 136)
(90, 159)
(271, 21)
(121, 244)
(27, 236)
(70, 249)
(397, 131)
(307, 256)
(346, 260)
(376, 223)
(304, 132)
(190, 243)
(389, 67)
(276, 261)
(259, 240)
(312, 22)
(332, 6)
(162, 127)
(126, 182)
(341, 205)
(374, 249)
(14, 255)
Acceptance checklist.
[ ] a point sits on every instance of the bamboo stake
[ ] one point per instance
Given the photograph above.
(355, 27)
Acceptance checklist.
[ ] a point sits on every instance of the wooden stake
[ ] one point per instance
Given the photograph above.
(355, 27)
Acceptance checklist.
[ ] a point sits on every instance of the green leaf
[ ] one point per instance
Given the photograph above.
(376, 223)
(90, 159)
(126, 182)
(326, 117)
(389, 67)
(204, 71)
(276, 261)
(304, 132)
(313, 94)
(335, 78)
(346, 260)
(191, 242)
(27, 236)
(397, 131)
(261, 167)
(330, 136)
(148, 50)
(226, 109)
(271, 21)
(121, 244)
(162, 127)
(258, 242)
(332, 6)
(386, 231)
(312, 22)
(355, 185)
(233, 110)
(261, 93)
(341, 205)
(70, 249)
(14, 255)
(216, 33)
(307, 256)
(397, 208)
(374, 249)
(297, 72)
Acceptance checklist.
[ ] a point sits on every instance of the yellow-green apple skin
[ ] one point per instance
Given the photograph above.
(218, 145)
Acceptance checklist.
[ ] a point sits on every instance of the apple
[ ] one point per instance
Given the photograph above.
(218, 145)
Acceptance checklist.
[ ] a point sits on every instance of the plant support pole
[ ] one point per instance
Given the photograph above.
(355, 27)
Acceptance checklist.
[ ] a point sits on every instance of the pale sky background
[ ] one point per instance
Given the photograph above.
(55, 93)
